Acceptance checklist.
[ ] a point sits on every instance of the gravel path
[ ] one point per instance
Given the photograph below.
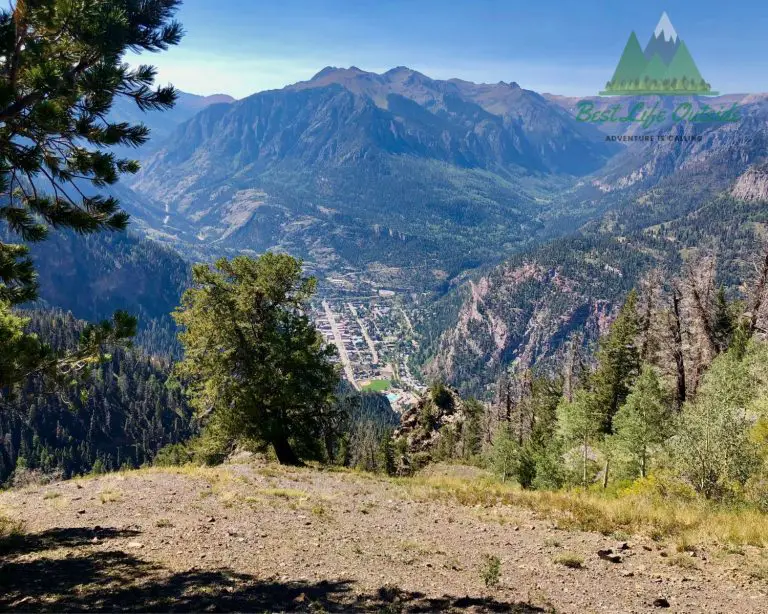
(256, 537)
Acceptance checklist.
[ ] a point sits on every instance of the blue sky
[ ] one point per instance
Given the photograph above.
(567, 47)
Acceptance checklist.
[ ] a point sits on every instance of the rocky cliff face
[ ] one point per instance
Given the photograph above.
(752, 186)
(525, 310)
(426, 428)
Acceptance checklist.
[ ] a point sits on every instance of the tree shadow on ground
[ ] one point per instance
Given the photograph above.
(60, 538)
(107, 580)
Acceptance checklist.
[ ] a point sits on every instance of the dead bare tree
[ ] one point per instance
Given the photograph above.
(758, 292)
(700, 286)
(675, 326)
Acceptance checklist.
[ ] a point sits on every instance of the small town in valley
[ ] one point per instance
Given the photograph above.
(374, 338)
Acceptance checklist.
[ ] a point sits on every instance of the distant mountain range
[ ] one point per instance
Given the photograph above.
(408, 179)
(162, 123)
(519, 223)
(656, 205)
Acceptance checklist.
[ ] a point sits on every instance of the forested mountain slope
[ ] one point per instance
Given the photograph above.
(430, 177)
(681, 202)
(93, 276)
(119, 415)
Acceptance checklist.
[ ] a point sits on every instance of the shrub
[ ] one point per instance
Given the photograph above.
(441, 396)
(172, 455)
(490, 571)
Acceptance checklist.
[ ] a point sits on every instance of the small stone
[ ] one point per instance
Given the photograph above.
(607, 555)
(628, 574)
(136, 545)
(81, 511)
(660, 603)
(211, 519)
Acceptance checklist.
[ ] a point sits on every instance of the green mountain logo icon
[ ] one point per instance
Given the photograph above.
(664, 68)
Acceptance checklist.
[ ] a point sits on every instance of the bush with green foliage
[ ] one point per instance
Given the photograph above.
(505, 453)
(712, 448)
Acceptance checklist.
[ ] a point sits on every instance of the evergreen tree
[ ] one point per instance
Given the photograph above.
(618, 361)
(387, 455)
(472, 430)
(62, 66)
(252, 356)
(643, 421)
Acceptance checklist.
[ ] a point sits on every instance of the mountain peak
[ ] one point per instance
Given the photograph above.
(329, 71)
(666, 29)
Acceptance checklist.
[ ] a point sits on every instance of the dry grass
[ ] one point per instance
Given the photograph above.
(283, 493)
(570, 560)
(636, 511)
(683, 561)
(109, 496)
(10, 528)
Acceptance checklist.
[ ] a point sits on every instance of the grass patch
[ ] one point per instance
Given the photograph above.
(636, 511)
(683, 561)
(164, 523)
(51, 495)
(284, 493)
(109, 496)
(378, 385)
(570, 560)
(319, 510)
(10, 528)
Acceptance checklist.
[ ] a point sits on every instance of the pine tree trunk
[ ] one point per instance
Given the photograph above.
(284, 451)
(677, 351)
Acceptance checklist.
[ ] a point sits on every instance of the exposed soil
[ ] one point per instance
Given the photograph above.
(257, 537)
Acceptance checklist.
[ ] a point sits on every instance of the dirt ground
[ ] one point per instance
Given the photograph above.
(258, 537)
